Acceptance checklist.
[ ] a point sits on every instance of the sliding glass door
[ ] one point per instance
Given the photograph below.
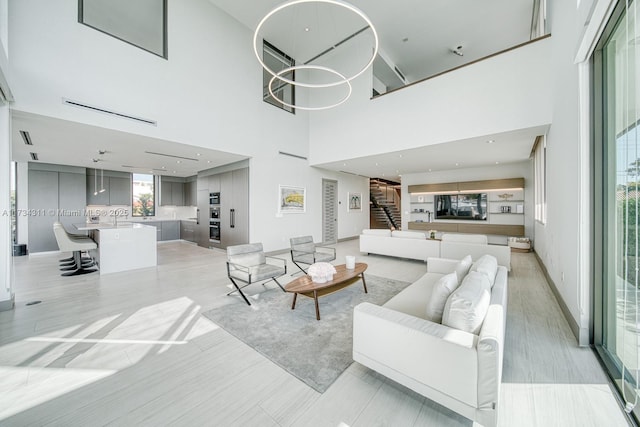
(617, 183)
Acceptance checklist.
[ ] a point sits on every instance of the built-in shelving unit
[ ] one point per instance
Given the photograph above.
(505, 207)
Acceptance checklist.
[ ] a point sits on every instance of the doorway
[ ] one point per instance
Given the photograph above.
(329, 211)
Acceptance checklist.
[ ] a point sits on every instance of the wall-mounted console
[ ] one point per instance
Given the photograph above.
(504, 215)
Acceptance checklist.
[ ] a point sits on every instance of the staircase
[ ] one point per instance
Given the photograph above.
(385, 203)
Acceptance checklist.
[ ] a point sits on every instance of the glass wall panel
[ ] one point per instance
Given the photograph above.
(142, 23)
(620, 316)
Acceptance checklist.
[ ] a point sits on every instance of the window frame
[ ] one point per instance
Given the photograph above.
(165, 42)
(265, 93)
(155, 197)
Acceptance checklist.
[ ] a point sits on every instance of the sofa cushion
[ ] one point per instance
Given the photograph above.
(414, 298)
(408, 234)
(467, 306)
(487, 265)
(439, 295)
(478, 239)
(377, 232)
(462, 268)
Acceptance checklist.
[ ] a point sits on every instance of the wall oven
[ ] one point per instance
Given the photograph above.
(214, 198)
(214, 231)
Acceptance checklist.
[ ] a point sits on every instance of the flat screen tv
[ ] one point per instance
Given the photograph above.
(461, 206)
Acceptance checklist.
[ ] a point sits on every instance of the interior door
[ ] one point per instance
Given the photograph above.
(329, 211)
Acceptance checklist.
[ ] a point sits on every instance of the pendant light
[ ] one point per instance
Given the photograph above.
(95, 181)
(102, 189)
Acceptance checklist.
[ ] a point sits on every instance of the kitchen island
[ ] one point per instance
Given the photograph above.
(121, 247)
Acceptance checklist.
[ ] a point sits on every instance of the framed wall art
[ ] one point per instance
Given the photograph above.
(291, 199)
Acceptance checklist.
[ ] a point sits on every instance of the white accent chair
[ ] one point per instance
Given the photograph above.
(248, 264)
(304, 251)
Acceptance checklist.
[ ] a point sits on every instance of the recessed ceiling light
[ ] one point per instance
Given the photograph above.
(400, 155)
(399, 176)
(491, 141)
(198, 154)
(208, 161)
(174, 171)
(344, 164)
(497, 163)
(429, 170)
(457, 164)
(376, 164)
(307, 29)
(164, 167)
(178, 161)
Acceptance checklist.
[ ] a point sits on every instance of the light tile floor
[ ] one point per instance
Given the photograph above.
(132, 349)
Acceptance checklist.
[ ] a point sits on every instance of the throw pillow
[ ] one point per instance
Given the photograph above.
(487, 265)
(467, 306)
(439, 295)
(463, 268)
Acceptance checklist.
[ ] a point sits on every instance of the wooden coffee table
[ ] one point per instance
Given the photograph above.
(341, 279)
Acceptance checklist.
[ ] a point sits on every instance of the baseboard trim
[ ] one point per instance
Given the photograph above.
(581, 335)
(345, 239)
(8, 304)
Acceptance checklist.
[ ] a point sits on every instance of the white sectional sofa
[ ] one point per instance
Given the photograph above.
(460, 369)
(416, 245)
(457, 246)
(403, 244)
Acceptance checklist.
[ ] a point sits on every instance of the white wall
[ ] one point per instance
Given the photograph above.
(512, 170)
(208, 93)
(560, 242)
(504, 93)
(6, 245)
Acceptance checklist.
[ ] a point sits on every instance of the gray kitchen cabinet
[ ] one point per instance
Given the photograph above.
(171, 192)
(215, 183)
(177, 193)
(170, 230)
(190, 193)
(187, 231)
(54, 196)
(234, 207)
(119, 191)
(72, 199)
(43, 202)
(202, 228)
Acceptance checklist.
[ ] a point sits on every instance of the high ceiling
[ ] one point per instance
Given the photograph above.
(431, 28)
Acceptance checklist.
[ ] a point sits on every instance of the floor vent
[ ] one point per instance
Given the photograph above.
(34, 156)
(292, 155)
(105, 111)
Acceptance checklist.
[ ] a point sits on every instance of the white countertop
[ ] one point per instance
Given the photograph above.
(108, 226)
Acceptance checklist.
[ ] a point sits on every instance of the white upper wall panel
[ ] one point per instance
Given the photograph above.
(507, 92)
(208, 92)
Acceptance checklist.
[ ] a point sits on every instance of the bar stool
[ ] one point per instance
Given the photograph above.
(66, 243)
(65, 262)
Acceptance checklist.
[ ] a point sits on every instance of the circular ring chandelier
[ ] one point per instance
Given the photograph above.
(278, 76)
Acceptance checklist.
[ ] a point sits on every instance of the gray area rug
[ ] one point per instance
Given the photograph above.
(316, 352)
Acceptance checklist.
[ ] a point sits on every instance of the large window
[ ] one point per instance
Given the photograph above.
(143, 203)
(142, 23)
(617, 244)
(540, 180)
(278, 61)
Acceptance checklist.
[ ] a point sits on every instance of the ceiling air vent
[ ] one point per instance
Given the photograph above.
(292, 155)
(105, 111)
(26, 137)
(34, 156)
(171, 155)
